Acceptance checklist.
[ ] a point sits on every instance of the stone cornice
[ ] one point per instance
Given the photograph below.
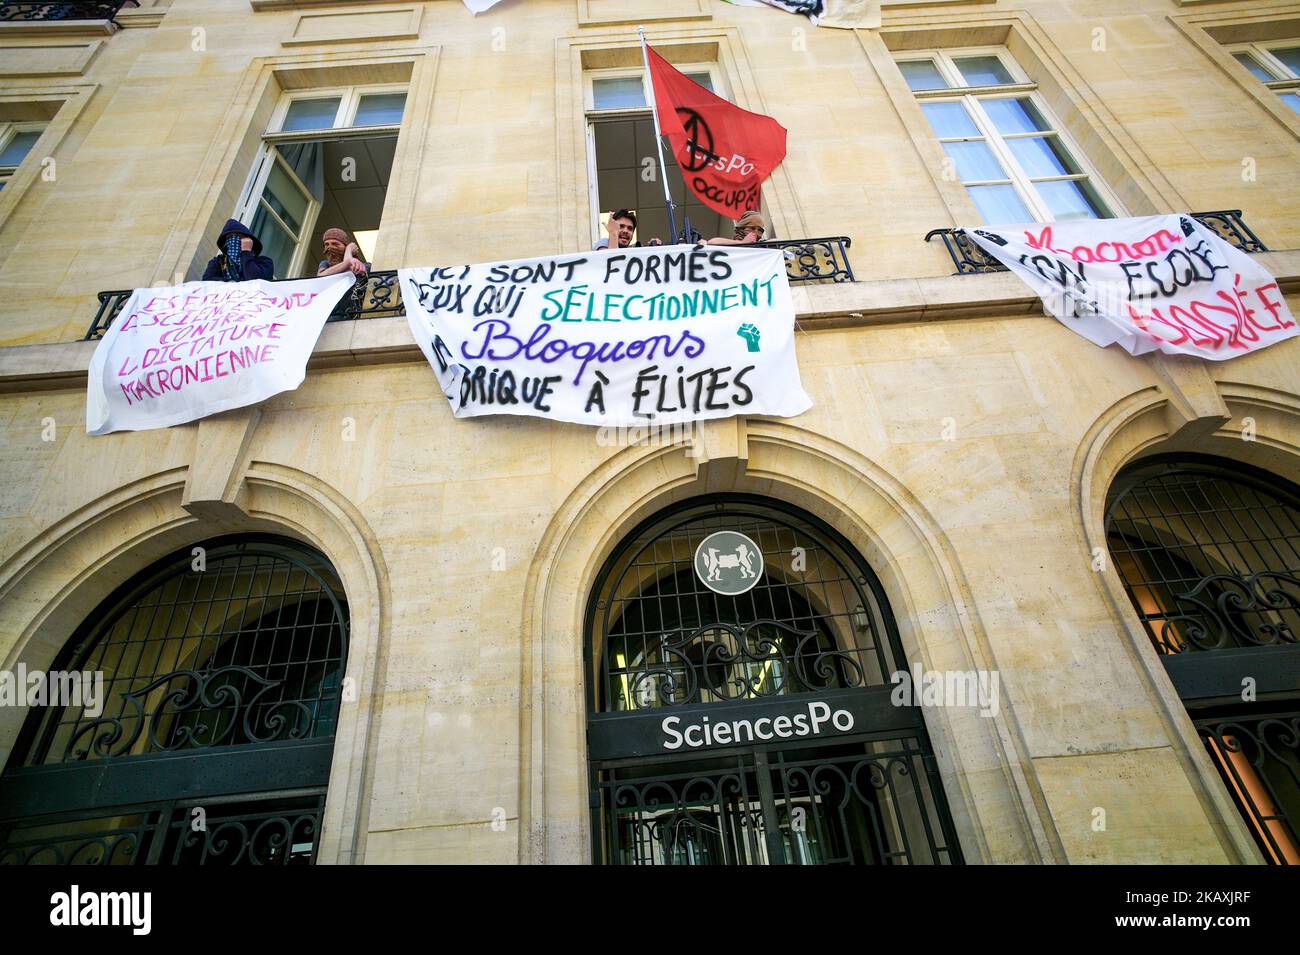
(29, 28)
(127, 18)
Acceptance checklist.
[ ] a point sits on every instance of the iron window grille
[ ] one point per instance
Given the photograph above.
(1209, 554)
(870, 804)
(1257, 757)
(271, 829)
(671, 641)
(222, 679)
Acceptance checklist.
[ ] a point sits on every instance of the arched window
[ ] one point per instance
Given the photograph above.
(190, 719)
(739, 700)
(1209, 552)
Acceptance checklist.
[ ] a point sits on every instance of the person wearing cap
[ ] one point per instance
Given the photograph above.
(341, 255)
(621, 226)
(749, 229)
(239, 257)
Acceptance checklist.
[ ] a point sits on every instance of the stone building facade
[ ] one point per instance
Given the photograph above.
(990, 487)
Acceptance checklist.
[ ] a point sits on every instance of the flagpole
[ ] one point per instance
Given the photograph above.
(659, 139)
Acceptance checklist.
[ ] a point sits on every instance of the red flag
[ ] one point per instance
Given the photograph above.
(725, 152)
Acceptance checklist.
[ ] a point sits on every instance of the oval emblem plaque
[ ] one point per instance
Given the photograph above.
(728, 563)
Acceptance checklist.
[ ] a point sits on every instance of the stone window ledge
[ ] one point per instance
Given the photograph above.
(127, 19)
(57, 28)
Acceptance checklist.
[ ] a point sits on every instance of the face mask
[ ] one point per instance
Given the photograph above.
(234, 266)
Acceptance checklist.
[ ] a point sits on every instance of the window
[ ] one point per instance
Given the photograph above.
(623, 162)
(1276, 65)
(219, 688)
(629, 92)
(325, 161)
(1209, 554)
(16, 141)
(344, 108)
(1013, 158)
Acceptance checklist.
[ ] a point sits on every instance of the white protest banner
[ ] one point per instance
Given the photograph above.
(1154, 282)
(845, 14)
(661, 335)
(183, 352)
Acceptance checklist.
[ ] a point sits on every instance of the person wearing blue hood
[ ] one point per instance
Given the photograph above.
(240, 257)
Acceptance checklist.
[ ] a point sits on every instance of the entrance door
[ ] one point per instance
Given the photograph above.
(739, 700)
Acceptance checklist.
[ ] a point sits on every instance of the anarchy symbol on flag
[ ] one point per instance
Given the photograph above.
(699, 139)
(724, 152)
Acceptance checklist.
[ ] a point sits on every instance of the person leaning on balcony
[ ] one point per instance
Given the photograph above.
(749, 229)
(239, 258)
(621, 226)
(341, 255)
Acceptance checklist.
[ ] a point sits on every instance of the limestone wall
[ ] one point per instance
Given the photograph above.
(962, 441)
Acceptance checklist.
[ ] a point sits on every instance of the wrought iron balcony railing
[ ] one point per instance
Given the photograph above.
(24, 11)
(814, 260)
(970, 258)
(380, 296)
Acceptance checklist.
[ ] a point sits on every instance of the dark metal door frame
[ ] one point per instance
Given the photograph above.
(620, 738)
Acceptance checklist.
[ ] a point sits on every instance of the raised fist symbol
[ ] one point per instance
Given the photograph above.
(750, 334)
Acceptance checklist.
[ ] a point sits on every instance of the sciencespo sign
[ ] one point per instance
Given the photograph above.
(814, 721)
(703, 727)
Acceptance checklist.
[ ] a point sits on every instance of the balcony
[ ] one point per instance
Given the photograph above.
(380, 296)
(23, 11)
(970, 258)
(815, 260)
